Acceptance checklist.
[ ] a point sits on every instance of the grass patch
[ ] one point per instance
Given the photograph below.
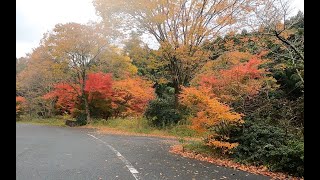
(135, 125)
(127, 125)
(54, 121)
(182, 131)
(142, 126)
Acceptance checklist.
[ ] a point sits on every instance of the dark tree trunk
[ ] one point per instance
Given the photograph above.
(84, 98)
(87, 109)
(176, 87)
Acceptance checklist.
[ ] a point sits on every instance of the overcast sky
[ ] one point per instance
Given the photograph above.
(35, 17)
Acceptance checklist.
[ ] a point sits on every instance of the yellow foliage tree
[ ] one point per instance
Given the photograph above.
(112, 61)
(37, 78)
(79, 46)
(179, 26)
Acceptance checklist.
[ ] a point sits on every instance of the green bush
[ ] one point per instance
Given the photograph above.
(161, 112)
(100, 108)
(81, 119)
(80, 116)
(263, 144)
(288, 158)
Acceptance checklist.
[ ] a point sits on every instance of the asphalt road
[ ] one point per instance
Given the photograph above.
(69, 153)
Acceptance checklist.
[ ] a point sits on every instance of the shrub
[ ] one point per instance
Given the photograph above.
(101, 108)
(81, 119)
(288, 158)
(161, 112)
(131, 96)
(80, 116)
(20, 103)
(263, 144)
(211, 117)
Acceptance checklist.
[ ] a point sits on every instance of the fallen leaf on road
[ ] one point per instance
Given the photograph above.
(262, 170)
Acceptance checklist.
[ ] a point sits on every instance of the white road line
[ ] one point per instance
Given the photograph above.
(132, 170)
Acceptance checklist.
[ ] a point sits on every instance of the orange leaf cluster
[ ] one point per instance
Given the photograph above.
(128, 97)
(209, 113)
(131, 96)
(227, 85)
(98, 85)
(244, 79)
(19, 103)
(225, 146)
(68, 95)
(208, 110)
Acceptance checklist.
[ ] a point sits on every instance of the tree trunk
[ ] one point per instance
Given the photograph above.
(176, 87)
(87, 108)
(84, 98)
(175, 80)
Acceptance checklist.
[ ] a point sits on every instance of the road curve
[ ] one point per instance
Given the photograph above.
(55, 153)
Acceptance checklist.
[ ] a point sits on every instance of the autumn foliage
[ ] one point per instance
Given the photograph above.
(209, 114)
(67, 96)
(243, 92)
(240, 81)
(131, 96)
(127, 97)
(98, 85)
(211, 98)
(20, 102)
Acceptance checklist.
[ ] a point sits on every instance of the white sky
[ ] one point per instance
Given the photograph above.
(35, 17)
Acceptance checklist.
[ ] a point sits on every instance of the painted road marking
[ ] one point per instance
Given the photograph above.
(132, 170)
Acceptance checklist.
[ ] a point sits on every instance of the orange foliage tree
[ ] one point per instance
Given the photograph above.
(67, 97)
(228, 83)
(131, 96)
(98, 85)
(211, 117)
(98, 88)
(127, 97)
(238, 81)
(20, 101)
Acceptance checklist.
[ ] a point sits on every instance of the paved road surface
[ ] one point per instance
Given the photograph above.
(54, 153)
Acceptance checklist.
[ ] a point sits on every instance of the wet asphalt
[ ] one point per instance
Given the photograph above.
(63, 153)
